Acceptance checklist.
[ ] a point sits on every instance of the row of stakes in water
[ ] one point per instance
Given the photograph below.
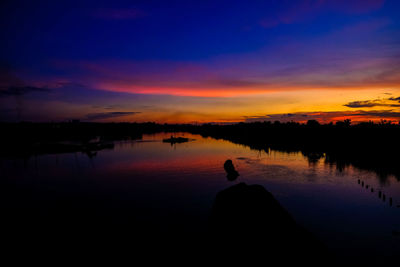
(380, 194)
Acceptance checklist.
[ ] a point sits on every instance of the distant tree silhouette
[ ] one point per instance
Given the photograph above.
(313, 123)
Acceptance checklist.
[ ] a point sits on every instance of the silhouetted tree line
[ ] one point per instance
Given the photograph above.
(26, 139)
(370, 146)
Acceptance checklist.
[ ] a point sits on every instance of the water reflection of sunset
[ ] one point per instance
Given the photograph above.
(184, 178)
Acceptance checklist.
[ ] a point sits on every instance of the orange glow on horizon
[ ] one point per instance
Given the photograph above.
(194, 91)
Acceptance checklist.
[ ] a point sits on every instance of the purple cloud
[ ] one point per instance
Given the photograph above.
(119, 13)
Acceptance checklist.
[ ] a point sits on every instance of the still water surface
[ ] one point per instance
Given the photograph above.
(173, 187)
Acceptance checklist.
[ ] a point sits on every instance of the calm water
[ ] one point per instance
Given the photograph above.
(173, 187)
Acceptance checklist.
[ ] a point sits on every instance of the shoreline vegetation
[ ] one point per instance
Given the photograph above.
(368, 146)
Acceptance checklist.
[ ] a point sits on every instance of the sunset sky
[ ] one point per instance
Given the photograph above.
(200, 61)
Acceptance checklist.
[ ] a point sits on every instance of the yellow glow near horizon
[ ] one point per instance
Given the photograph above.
(238, 108)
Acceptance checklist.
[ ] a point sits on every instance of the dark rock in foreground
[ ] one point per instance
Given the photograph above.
(248, 221)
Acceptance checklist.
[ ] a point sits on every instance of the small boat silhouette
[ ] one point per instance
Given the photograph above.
(175, 140)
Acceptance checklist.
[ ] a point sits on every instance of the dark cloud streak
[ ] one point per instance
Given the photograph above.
(374, 103)
(359, 115)
(21, 90)
(108, 115)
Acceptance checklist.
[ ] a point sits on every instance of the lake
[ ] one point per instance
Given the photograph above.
(173, 187)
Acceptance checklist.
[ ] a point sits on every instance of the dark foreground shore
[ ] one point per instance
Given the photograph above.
(246, 225)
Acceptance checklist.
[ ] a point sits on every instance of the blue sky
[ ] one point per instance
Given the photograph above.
(173, 60)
